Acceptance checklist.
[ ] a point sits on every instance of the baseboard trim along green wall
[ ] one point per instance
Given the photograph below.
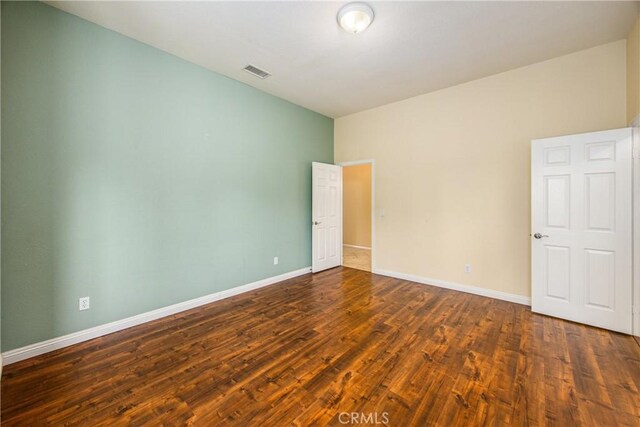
(37, 349)
(137, 179)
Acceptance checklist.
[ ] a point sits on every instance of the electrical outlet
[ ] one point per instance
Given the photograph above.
(275, 260)
(84, 303)
(467, 268)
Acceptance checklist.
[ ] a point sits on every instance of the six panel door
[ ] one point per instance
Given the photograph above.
(581, 242)
(326, 216)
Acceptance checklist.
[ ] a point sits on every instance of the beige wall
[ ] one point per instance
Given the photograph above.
(633, 72)
(356, 181)
(453, 166)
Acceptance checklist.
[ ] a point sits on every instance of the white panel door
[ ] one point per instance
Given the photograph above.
(581, 242)
(326, 216)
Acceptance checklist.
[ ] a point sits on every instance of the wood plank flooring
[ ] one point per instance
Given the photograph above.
(314, 349)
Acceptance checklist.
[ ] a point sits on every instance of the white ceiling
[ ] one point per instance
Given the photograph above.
(410, 49)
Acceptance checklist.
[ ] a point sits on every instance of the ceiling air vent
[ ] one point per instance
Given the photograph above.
(256, 71)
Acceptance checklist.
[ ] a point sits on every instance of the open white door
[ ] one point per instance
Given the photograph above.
(581, 243)
(326, 216)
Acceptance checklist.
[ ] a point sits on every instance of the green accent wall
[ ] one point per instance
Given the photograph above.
(137, 178)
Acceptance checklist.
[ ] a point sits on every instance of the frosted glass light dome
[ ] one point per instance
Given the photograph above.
(355, 17)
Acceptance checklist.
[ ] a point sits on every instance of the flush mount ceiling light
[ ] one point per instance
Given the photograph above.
(355, 17)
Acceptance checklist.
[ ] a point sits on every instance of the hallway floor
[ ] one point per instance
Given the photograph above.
(357, 258)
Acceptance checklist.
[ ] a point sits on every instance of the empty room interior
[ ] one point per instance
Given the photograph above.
(319, 213)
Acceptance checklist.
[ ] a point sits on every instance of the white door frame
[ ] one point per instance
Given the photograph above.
(635, 124)
(373, 204)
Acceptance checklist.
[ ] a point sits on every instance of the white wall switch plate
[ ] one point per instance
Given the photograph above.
(275, 260)
(84, 303)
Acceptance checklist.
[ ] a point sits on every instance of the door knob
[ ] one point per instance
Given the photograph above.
(316, 223)
(540, 236)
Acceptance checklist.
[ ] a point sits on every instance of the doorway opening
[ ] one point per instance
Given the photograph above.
(357, 211)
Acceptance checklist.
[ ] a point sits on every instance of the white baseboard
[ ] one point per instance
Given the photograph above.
(518, 299)
(36, 349)
(357, 247)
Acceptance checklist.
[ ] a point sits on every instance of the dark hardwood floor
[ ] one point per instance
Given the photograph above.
(309, 349)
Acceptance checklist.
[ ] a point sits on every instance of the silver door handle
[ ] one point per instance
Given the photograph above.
(540, 236)
(316, 223)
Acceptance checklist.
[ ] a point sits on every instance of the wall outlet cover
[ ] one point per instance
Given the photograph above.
(84, 303)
